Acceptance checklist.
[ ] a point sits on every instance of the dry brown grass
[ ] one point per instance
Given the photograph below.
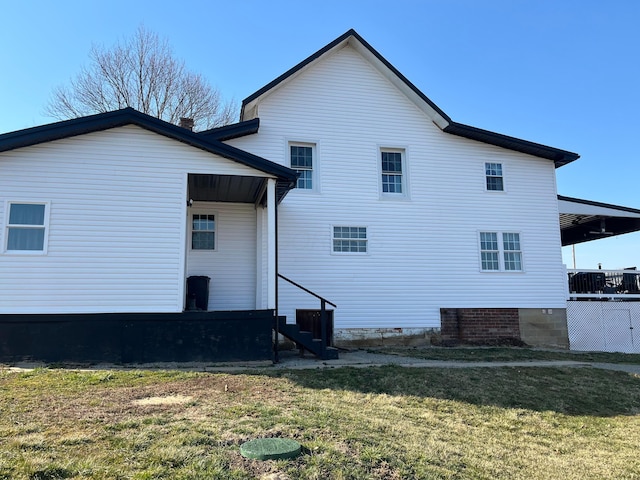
(377, 423)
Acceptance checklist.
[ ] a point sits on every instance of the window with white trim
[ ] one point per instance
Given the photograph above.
(301, 157)
(495, 180)
(26, 229)
(350, 239)
(500, 252)
(512, 252)
(203, 232)
(392, 171)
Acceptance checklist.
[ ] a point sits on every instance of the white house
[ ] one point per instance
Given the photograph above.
(341, 176)
(452, 217)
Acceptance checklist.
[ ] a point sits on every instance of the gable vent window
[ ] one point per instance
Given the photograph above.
(495, 181)
(27, 227)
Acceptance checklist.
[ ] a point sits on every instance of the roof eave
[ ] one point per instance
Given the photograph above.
(558, 156)
(129, 116)
(599, 204)
(235, 130)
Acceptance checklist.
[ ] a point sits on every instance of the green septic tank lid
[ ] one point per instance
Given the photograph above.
(270, 448)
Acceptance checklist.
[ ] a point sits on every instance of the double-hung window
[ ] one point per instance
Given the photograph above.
(26, 229)
(495, 180)
(203, 232)
(301, 156)
(512, 252)
(350, 239)
(392, 170)
(500, 251)
(489, 251)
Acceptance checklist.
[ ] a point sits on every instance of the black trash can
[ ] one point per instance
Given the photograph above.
(198, 292)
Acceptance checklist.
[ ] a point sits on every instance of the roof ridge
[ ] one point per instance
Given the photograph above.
(558, 156)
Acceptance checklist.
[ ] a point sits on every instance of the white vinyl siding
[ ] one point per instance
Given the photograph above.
(118, 217)
(426, 254)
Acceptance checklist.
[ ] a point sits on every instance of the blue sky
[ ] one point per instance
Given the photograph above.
(561, 73)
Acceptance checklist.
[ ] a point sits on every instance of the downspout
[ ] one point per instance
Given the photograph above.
(276, 358)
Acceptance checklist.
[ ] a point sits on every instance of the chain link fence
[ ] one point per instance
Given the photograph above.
(604, 326)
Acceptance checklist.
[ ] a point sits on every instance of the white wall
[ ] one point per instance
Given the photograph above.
(117, 222)
(232, 265)
(423, 251)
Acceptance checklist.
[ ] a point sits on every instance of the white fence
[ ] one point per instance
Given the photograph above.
(604, 326)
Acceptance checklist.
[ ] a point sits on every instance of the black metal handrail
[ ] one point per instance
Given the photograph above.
(307, 290)
(323, 310)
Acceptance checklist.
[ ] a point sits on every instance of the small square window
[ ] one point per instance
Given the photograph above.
(350, 239)
(203, 232)
(495, 181)
(26, 227)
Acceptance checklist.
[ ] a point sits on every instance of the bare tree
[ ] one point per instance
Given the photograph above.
(141, 72)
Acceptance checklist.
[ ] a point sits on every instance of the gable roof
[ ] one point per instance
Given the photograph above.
(441, 119)
(129, 116)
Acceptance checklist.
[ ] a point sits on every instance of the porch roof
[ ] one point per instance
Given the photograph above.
(230, 188)
(586, 220)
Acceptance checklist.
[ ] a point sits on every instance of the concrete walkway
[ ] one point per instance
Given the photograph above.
(291, 360)
(362, 358)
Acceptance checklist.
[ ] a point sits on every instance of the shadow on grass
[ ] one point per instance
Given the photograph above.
(507, 354)
(570, 391)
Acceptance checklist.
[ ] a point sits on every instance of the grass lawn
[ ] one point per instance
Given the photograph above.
(367, 423)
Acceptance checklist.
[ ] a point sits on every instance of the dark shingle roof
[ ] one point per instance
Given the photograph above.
(128, 116)
(234, 130)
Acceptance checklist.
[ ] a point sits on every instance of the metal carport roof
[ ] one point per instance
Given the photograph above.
(586, 220)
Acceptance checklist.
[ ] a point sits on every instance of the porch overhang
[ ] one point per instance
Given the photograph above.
(586, 220)
(234, 188)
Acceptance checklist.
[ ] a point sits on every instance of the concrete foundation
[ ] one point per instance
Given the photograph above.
(544, 327)
(380, 337)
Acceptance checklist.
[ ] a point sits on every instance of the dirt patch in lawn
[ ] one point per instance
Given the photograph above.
(168, 400)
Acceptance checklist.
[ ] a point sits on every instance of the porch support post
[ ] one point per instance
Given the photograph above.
(271, 244)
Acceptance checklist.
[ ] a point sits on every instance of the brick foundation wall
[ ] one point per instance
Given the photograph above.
(480, 325)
